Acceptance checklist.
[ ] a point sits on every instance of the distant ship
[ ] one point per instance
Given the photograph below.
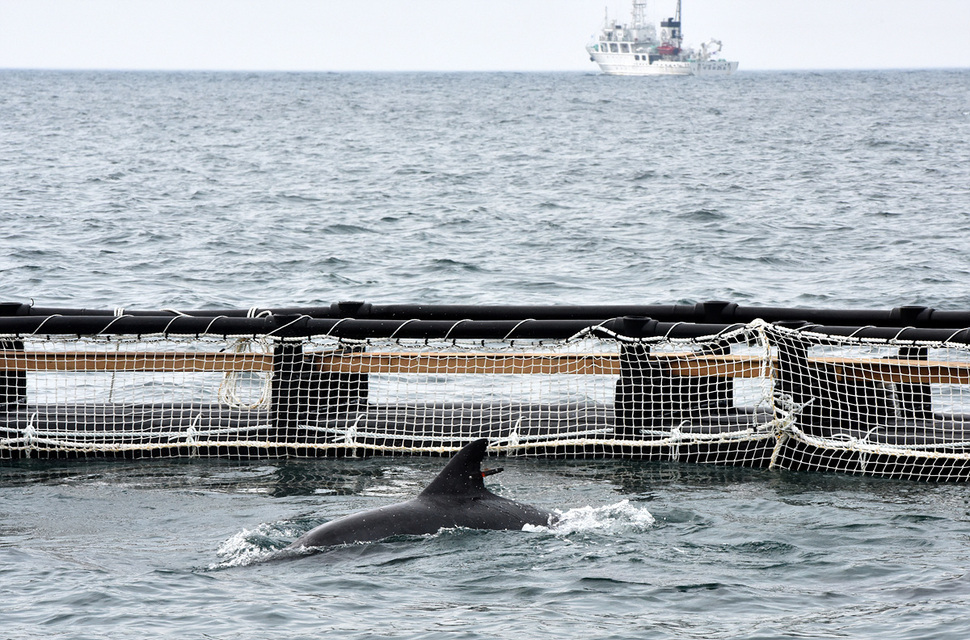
(635, 50)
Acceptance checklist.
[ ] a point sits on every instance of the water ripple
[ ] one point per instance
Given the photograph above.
(554, 178)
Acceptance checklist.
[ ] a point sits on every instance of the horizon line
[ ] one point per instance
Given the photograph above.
(451, 71)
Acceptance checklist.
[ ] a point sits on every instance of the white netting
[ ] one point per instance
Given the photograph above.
(153, 395)
(758, 396)
(895, 408)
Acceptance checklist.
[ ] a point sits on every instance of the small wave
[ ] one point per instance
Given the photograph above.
(553, 206)
(702, 214)
(297, 198)
(447, 264)
(344, 229)
(613, 517)
(251, 546)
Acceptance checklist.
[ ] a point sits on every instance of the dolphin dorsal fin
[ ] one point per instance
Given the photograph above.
(463, 474)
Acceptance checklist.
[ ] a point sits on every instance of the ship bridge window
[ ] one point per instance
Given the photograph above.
(625, 48)
(613, 47)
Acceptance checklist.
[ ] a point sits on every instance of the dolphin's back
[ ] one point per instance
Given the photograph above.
(423, 516)
(490, 512)
(405, 518)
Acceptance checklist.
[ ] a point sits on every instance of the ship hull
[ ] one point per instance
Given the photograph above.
(624, 64)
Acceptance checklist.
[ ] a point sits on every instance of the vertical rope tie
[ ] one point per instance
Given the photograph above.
(30, 434)
(191, 434)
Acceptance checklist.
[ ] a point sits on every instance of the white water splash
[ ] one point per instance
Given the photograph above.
(252, 546)
(621, 516)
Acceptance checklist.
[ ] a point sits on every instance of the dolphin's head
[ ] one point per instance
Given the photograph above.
(462, 476)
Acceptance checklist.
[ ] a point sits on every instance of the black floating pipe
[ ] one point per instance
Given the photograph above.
(135, 325)
(714, 312)
(17, 309)
(294, 326)
(351, 328)
(893, 333)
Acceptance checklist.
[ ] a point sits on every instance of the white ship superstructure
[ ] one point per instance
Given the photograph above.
(636, 50)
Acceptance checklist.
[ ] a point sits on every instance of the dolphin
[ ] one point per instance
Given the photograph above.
(456, 498)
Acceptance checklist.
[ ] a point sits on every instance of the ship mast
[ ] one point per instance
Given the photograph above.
(639, 17)
(670, 32)
(680, 34)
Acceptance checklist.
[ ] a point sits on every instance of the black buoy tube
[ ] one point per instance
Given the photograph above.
(715, 312)
(301, 326)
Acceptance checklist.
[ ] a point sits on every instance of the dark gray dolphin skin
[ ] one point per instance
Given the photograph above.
(456, 498)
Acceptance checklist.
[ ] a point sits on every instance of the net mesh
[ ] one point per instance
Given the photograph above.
(759, 396)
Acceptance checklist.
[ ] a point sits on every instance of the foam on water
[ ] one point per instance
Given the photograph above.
(256, 545)
(607, 519)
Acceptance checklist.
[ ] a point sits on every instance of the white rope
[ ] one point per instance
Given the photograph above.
(229, 388)
(30, 435)
(513, 330)
(452, 328)
(783, 426)
(44, 321)
(190, 439)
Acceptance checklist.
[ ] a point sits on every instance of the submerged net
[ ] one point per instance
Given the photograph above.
(758, 396)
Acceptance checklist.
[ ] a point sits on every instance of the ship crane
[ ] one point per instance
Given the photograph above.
(710, 49)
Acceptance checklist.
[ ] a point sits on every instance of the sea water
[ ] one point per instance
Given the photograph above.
(186, 190)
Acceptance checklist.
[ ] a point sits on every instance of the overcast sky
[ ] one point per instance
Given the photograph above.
(465, 35)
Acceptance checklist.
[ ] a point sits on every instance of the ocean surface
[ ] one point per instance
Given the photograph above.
(187, 190)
